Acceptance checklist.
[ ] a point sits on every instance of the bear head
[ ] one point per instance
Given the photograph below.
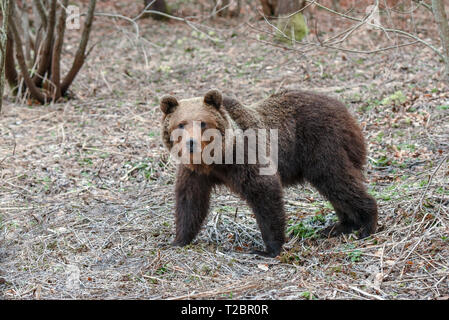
(185, 123)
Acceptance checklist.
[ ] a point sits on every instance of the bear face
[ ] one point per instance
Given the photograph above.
(185, 122)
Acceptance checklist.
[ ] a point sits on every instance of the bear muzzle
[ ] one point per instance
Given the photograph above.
(191, 145)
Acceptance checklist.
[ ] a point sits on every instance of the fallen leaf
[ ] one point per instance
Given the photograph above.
(262, 266)
(378, 278)
(389, 262)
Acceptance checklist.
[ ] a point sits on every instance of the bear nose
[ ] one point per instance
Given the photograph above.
(191, 145)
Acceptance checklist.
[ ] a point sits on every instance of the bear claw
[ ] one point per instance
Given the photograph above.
(267, 254)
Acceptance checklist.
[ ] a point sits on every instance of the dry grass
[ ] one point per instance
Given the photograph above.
(86, 189)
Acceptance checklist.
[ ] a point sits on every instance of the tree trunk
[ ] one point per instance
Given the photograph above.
(80, 54)
(275, 8)
(269, 7)
(6, 12)
(228, 8)
(443, 27)
(286, 7)
(46, 54)
(34, 90)
(55, 63)
(10, 64)
(156, 5)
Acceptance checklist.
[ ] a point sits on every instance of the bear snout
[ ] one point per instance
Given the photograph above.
(191, 145)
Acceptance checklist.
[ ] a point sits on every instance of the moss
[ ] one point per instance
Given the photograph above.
(294, 27)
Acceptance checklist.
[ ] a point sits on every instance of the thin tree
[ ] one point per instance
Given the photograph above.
(5, 8)
(156, 5)
(443, 26)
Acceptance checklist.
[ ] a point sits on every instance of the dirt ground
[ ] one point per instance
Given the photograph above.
(86, 186)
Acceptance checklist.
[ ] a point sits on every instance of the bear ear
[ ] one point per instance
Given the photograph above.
(168, 104)
(213, 98)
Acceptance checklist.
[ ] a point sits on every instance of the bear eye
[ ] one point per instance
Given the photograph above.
(181, 126)
(203, 125)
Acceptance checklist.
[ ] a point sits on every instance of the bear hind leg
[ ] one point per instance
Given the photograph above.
(263, 194)
(355, 208)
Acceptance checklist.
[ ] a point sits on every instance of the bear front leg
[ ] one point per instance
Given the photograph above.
(192, 204)
(264, 195)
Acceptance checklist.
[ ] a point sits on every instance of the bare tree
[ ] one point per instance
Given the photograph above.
(37, 51)
(443, 26)
(335, 42)
(5, 8)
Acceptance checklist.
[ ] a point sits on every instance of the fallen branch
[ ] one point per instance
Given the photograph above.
(214, 293)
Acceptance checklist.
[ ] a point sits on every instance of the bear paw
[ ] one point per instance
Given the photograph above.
(267, 254)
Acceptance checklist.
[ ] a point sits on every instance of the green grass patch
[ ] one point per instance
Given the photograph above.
(308, 227)
(396, 98)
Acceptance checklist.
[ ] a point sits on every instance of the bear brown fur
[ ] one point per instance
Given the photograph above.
(319, 142)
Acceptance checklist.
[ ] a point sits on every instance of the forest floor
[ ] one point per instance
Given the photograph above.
(86, 186)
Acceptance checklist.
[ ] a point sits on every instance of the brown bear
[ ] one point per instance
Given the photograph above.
(318, 141)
